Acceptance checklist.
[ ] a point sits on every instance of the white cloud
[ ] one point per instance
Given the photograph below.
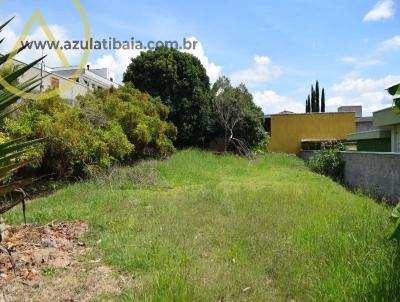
(370, 101)
(348, 59)
(271, 102)
(391, 44)
(60, 33)
(367, 92)
(371, 62)
(119, 61)
(360, 62)
(356, 85)
(213, 70)
(384, 9)
(262, 71)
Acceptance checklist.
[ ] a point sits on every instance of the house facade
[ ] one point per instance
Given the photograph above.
(386, 137)
(291, 133)
(388, 119)
(54, 78)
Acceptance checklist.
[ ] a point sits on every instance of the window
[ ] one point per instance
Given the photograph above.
(55, 83)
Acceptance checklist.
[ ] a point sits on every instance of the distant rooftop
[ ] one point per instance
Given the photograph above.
(357, 109)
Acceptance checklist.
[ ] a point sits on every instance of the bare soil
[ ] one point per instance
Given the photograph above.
(49, 266)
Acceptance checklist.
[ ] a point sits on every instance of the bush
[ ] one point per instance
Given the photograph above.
(327, 162)
(141, 117)
(262, 146)
(104, 127)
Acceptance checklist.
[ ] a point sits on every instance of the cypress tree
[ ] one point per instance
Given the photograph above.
(313, 105)
(323, 100)
(308, 106)
(317, 109)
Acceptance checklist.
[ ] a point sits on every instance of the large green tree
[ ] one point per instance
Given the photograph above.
(181, 81)
(236, 116)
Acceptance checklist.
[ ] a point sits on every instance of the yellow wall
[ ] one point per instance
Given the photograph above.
(287, 130)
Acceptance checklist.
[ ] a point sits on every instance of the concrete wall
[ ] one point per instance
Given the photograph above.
(306, 154)
(364, 124)
(377, 174)
(396, 138)
(287, 130)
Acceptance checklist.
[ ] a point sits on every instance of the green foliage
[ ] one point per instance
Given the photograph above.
(396, 217)
(181, 81)
(313, 102)
(262, 146)
(317, 99)
(236, 117)
(308, 104)
(13, 151)
(327, 162)
(396, 105)
(142, 118)
(394, 90)
(105, 126)
(7, 70)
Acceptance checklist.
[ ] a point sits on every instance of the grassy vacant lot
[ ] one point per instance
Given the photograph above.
(200, 227)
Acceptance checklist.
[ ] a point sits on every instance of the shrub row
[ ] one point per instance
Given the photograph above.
(104, 126)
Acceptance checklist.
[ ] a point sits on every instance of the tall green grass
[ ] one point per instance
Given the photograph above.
(199, 227)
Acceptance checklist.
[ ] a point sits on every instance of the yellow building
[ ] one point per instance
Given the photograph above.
(289, 131)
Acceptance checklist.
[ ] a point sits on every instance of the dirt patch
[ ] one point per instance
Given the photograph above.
(49, 267)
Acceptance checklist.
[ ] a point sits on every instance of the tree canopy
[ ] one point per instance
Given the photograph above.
(236, 116)
(181, 81)
(313, 101)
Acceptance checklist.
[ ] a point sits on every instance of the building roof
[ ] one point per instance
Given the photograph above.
(367, 135)
(364, 119)
(47, 70)
(386, 117)
(312, 140)
(286, 112)
(90, 74)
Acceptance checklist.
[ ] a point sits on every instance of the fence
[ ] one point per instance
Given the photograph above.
(375, 173)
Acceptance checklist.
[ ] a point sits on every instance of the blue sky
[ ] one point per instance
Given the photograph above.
(277, 48)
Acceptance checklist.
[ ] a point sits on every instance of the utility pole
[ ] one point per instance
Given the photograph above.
(41, 73)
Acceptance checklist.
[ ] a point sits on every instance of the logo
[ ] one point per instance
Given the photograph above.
(38, 17)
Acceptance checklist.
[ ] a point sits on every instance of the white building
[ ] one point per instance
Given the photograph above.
(54, 78)
(92, 78)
